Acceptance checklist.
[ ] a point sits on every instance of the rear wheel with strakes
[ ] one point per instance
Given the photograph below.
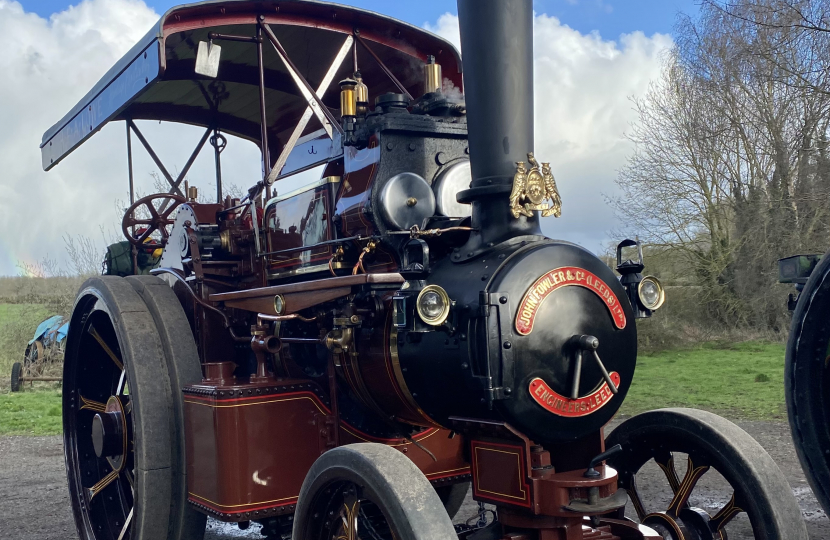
(119, 420)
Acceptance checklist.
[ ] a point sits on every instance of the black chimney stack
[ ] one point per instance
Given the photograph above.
(497, 56)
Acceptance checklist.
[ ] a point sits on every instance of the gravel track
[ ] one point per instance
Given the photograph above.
(34, 502)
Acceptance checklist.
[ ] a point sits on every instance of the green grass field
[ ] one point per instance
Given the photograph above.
(30, 413)
(35, 411)
(739, 381)
(736, 380)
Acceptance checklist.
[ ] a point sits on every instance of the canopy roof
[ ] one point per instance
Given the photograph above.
(155, 80)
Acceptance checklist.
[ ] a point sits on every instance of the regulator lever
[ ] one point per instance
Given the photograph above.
(591, 472)
(586, 343)
(577, 375)
(605, 374)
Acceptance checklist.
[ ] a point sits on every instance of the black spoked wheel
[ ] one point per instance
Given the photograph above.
(183, 368)
(116, 416)
(17, 373)
(807, 381)
(369, 492)
(711, 446)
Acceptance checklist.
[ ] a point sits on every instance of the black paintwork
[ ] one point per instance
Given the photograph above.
(445, 370)
(497, 38)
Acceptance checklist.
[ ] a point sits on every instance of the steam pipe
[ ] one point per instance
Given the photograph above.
(497, 57)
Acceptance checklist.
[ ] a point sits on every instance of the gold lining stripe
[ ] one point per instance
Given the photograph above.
(240, 505)
(102, 483)
(350, 432)
(402, 389)
(693, 474)
(342, 425)
(94, 333)
(92, 405)
(213, 406)
(467, 468)
(518, 461)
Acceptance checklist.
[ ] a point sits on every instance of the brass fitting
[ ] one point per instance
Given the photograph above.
(433, 81)
(225, 240)
(340, 340)
(348, 98)
(362, 94)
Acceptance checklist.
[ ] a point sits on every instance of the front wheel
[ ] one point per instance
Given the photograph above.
(707, 444)
(369, 491)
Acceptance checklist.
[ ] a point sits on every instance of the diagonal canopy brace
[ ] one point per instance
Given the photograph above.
(311, 109)
(153, 155)
(323, 114)
(383, 67)
(174, 184)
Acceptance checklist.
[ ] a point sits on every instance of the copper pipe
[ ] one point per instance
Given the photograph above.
(301, 340)
(175, 274)
(278, 318)
(370, 247)
(415, 232)
(246, 339)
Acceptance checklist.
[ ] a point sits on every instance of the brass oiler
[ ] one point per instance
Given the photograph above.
(432, 76)
(362, 94)
(348, 98)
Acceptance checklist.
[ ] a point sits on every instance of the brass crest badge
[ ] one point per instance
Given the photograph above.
(532, 188)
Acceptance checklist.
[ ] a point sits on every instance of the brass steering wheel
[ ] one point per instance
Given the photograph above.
(159, 218)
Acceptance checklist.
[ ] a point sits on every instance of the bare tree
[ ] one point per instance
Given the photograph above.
(730, 165)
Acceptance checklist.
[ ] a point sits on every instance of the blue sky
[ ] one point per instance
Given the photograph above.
(587, 75)
(609, 17)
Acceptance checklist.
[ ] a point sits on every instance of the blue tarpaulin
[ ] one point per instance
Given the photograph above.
(51, 330)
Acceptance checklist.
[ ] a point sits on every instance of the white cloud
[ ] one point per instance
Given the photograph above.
(582, 110)
(583, 86)
(47, 67)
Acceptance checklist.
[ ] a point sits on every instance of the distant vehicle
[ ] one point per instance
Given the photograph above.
(47, 344)
(806, 370)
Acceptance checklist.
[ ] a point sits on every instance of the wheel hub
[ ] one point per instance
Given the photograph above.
(109, 433)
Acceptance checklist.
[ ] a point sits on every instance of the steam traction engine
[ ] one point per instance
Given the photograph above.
(344, 360)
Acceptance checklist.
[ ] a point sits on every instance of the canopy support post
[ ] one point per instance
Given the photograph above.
(266, 161)
(134, 251)
(174, 184)
(186, 168)
(323, 113)
(130, 162)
